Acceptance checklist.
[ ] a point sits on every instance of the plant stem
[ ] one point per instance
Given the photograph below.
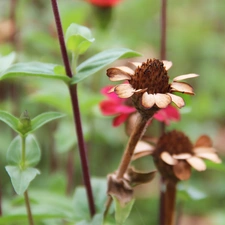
(76, 111)
(27, 202)
(162, 200)
(169, 199)
(128, 153)
(163, 30)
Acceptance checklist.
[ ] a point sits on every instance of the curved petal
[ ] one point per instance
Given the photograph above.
(182, 156)
(167, 158)
(177, 100)
(196, 163)
(124, 90)
(162, 100)
(142, 149)
(182, 170)
(204, 140)
(167, 64)
(148, 100)
(120, 119)
(185, 76)
(182, 87)
(204, 150)
(210, 156)
(120, 73)
(136, 64)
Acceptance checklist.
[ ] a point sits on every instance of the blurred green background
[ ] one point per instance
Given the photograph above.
(195, 44)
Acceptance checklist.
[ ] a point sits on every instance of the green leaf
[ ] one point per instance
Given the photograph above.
(97, 220)
(215, 166)
(99, 61)
(10, 120)
(33, 152)
(33, 69)
(6, 61)
(122, 211)
(21, 178)
(78, 38)
(44, 118)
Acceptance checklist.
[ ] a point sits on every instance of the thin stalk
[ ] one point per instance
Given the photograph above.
(76, 111)
(162, 198)
(29, 214)
(128, 153)
(26, 197)
(169, 203)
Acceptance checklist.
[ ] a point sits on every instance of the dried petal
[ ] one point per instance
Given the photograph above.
(185, 76)
(182, 156)
(136, 177)
(177, 100)
(120, 73)
(197, 163)
(182, 170)
(210, 156)
(162, 100)
(167, 64)
(148, 100)
(167, 158)
(182, 87)
(136, 64)
(124, 90)
(204, 150)
(142, 149)
(203, 140)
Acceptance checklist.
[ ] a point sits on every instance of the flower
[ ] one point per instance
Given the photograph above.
(148, 85)
(104, 3)
(174, 154)
(123, 108)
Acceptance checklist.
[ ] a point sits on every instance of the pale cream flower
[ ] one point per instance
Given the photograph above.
(149, 85)
(174, 154)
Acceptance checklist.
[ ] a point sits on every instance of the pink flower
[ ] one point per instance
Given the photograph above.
(119, 107)
(104, 3)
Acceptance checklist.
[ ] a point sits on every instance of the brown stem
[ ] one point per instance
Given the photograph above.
(168, 203)
(128, 153)
(29, 214)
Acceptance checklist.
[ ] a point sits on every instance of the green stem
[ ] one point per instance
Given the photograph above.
(26, 197)
(29, 214)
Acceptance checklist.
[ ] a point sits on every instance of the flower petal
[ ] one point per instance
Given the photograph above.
(136, 64)
(142, 149)
(167, 158)
(210, 156)
(162, 100)
(177, 100)
(182, 156)
(203, 140)
(182, 170)
(182, 87)
(204, 150)
(120, 119)
(196, 163)
(124, 90)
(120, 73)
(185, 76)
(148, 100)
(167, 64)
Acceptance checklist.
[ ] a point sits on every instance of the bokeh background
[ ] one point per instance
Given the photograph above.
(195, 43)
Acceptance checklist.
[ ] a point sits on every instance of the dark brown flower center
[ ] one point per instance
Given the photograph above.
(151, 76)
(174, 142)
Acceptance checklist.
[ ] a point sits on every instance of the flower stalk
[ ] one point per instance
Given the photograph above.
(76, 111)
(27, 203)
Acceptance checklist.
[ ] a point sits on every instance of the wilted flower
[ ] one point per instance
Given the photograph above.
(174, 154)
(148, 85)
(122, 108)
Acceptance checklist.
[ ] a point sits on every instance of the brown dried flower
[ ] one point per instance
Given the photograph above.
(174, 154)
(148, 85)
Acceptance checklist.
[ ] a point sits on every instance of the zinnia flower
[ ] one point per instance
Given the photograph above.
(122, 108)
(174, 154)
(104, 3)
(148, 85)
